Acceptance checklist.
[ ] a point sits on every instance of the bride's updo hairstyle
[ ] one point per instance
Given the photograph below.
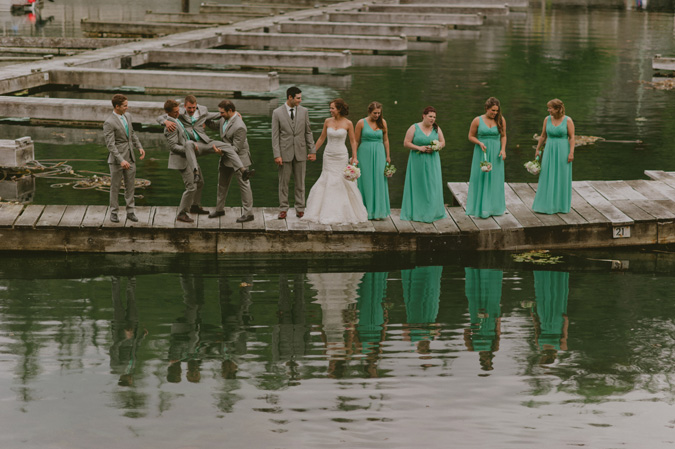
(427, 110)
(341, 106)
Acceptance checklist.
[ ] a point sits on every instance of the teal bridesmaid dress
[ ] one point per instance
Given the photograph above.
(551, 289)
(372, 183)
(483, 289)
(554, 190)
(372, 290)
(486, 189)
(422, 295)
(423, 189)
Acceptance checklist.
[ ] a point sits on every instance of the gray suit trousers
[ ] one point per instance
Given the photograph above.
(297, 168)
(193, 191)
(224, 178)
(117, 173)
(229, 152)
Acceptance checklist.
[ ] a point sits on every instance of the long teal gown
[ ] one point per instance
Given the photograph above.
(372, 290)
(423, 190)
(554, 190)
(422, 295)
(372, 183)
(551, 289)
(483, 289)
(486, 189)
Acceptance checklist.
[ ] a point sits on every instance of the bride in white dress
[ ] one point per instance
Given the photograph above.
(333, 199)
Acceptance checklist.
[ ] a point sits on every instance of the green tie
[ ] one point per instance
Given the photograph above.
(225, 125)
(194, 119)
(184, 130)
(126, 127)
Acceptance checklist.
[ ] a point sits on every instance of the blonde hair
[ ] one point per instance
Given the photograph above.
(557, 105)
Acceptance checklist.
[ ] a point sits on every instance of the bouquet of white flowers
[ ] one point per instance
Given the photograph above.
(485, 166)
(534, 167)
(352, 172)
(389, 170)
(435, 145)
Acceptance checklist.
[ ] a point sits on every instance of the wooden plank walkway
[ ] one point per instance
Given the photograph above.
(604, 214)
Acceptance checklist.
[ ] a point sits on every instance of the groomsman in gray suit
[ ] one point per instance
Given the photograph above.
(233, 130)
(121, 141)
(193, 118)
(182, 158)
(292, 140)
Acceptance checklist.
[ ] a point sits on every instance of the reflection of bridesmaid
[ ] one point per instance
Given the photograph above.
(371, 318)
(422, 293)
(551, 289)
(483, 289)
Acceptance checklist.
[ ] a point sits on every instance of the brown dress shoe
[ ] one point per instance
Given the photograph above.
(300, 214)
(185, 218)
(194, 209)
(282, 215)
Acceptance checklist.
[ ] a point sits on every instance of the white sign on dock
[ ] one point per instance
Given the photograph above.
(621, 232)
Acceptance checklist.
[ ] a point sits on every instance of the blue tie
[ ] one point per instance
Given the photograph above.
(126, 126)
(194, 119)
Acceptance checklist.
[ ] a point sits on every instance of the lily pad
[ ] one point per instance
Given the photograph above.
(537, 257)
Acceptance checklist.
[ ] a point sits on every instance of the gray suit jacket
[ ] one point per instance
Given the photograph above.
(291, 138)
(177, 140)
(120, 145)
(235, 135)
(198, 125)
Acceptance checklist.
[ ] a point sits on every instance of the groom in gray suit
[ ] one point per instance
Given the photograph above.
(121, 141)
(292, 140)
(232, 130)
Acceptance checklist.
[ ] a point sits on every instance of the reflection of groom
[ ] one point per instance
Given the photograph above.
(291, 142)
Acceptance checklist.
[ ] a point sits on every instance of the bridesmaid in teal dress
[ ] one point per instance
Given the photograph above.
(554, 190)
(373, 155)
(422, 295)
(423, 189)
(486, 189)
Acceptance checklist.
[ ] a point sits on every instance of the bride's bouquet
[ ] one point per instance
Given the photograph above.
(534, 167)
(435, 145)
(485, 166)
(352, 172)
(389, 170)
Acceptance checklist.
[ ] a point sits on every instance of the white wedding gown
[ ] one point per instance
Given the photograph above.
(333, 199)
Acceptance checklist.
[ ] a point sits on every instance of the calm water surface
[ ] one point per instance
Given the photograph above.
(398, 352)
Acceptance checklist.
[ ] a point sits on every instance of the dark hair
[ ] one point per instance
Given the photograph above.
(118, 100)
(380, 121)
(426, 111)
(341, 106)
(170, 105)
(190, 99)
(227, 105)
(557, 104)
(489, 103)
(292, 92)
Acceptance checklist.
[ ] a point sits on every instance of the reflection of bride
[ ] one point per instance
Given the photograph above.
(336, 294)
(333, 199)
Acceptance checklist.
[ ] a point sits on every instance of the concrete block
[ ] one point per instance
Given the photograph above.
(21, 189)
(439, 9)
(16, 153)
(428, 32)
(463, 20)
(291, 40)
(253, 58)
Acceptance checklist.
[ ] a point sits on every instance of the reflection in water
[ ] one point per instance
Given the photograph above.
(372, 319)
(336, 294)
(483, 289)
(421, 294)
(185, 332)
(550, 315)
(126, 337)
(290, 338)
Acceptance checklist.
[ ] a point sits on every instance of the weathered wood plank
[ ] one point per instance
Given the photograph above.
(660, 175)
(366, 226)
(342, 228)
(507, 221)
(424, 228)
(572, 217)
(164, 217)
(526, 193)
(627, 191)
(121, 215)
(9, 213)
(601, 204)
(204, 222)
(485, 224)
(272, 223)
(460, 190)
(51, 216)
(653, 190)
(384, 226)
(585, 210)
(403, 227)
(520, 211)
(73, 216)
(94, 216)
(320, 227)
(446, 225)
(296, 224)
(464, 223)
(661, 210)
(229, 220)
(632, 210)
(258, 222)
(182, 225)
(144, 215)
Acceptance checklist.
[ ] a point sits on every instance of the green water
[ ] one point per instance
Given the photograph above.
(396, 351)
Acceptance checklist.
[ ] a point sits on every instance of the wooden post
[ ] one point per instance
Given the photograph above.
(185, 5)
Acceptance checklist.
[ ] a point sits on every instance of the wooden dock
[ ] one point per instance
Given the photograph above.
(604, 214)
